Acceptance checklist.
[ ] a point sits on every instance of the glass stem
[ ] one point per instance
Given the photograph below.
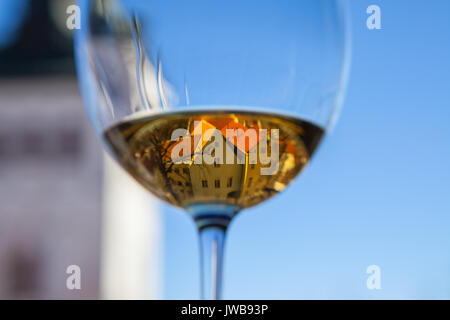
(212, 220)
(212, 240)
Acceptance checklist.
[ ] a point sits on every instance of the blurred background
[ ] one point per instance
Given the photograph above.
(59, 194)
(376, 193)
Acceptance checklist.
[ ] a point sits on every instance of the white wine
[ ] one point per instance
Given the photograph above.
(145, 147)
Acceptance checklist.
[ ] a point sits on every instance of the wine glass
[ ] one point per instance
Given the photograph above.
(213, 106)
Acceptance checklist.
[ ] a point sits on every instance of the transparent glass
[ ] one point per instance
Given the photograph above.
(140, 59)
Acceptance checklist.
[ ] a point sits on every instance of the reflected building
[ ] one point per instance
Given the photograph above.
(176, 155)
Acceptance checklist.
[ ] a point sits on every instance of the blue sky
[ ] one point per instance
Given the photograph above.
(377, 191)
(9, 26)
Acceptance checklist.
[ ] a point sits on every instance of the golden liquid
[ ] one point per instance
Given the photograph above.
(143, 147)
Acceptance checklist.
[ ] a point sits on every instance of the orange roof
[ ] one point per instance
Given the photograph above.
(234, 140)
(201, 136)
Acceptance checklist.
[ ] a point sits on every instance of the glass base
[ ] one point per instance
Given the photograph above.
(216, 215)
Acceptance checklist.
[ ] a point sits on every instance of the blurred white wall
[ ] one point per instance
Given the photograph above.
(131, 266)
(50, 190)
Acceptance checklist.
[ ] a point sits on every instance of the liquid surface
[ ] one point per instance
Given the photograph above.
(182, 176)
